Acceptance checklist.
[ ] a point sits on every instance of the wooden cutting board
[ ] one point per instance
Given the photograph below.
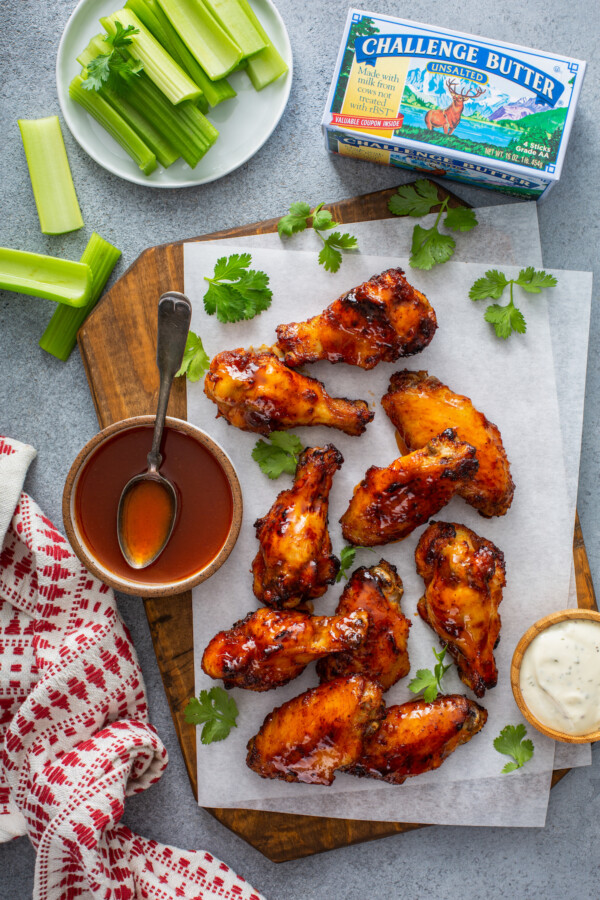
(118, 347)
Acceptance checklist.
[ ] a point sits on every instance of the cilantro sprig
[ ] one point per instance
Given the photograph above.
(195, 360)
(281, 455)
(216, 711)
(508, 318)
(430, 247)
(511, 742)
(235, 291)
(331, 252)
(430, 682)
(113, 67)
(347, 557)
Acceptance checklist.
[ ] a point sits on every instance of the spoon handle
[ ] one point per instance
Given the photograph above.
(174, 315)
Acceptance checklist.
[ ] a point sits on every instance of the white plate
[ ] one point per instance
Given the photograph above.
(244, 122)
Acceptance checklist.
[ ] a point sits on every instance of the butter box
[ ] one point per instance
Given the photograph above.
(451, 105)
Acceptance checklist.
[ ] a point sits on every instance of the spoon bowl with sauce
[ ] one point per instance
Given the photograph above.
(555, 675)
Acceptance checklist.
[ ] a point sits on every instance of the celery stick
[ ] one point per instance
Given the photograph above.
(267, 66)
(116, 126)
(45, 276)
(60, 336)
(238, 25)
(214, 91)
(183, 126)
(159, 65)
(50, 175)
(160, 146)
(208, 42)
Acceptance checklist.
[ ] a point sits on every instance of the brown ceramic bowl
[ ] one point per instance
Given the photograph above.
(515, 673)
(144, 582)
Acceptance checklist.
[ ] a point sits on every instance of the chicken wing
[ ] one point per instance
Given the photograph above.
(418, 736)
(380, 320)
(255, 391)
(420, 407)
(315, 735)
(294, 562)
(383, 656)
(464, 577)
(390, 503)
(271, 647)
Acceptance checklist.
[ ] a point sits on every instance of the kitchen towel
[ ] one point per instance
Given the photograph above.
(74, 733)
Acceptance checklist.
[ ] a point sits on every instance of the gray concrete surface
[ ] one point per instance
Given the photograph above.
(47, 403)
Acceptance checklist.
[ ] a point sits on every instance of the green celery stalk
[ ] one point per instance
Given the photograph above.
(159, 65)
(160, 146)
(116, 126)
(208, 42)
(214, 91)
(51, 180)
(268, 65)
(183, 126)
(60, 335)
(238, 25)
(45, 276)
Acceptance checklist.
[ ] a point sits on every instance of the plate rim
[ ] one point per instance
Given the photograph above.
(134, 178)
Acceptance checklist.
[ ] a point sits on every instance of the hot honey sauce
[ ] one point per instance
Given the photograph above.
(204, 500)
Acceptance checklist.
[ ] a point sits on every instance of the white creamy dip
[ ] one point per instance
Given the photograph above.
(560, 676)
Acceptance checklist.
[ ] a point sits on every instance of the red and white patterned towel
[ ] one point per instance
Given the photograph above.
(74, 733)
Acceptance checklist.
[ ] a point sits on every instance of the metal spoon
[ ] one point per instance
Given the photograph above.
(174, 315)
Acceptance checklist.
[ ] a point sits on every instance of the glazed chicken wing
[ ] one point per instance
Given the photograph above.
(383, 656)
(390, 503)
(380, 320)
(420, 407)
(255, 391)
(464, 577)
(271, 647)
(294, 562)
(315, 735)
(418, 736)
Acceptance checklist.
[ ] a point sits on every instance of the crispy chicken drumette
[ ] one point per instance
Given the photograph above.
(420, 407)
(255, 391)
(295, 562)
(381, 320)
(271, 647)
(418, 736)
(383, 656)
(320, 732)
(390, 503)
(464, 577)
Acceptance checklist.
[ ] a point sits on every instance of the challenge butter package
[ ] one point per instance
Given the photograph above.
(451, 105)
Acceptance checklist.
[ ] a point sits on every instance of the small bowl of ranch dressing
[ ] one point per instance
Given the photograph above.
(555, 675)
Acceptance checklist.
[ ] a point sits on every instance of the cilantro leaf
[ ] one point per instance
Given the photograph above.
(430, 682)
(460, 218)
(505, 319)
(430, 248)
(330, 255)
(295, 220)
(347, 557)
(195, 360)
(281, 455)
(416, 199)
(216, 711)
(491, 285)
(533, 282)
(236, 292)
(511, 742)
(122, 36)
(98, 72)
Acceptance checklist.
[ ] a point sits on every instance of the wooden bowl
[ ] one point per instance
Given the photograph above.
(135, 584)
(515, 673)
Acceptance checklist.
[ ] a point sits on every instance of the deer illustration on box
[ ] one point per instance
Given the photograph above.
(447, 119)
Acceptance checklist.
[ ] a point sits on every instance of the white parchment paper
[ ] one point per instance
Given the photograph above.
(513, 382)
